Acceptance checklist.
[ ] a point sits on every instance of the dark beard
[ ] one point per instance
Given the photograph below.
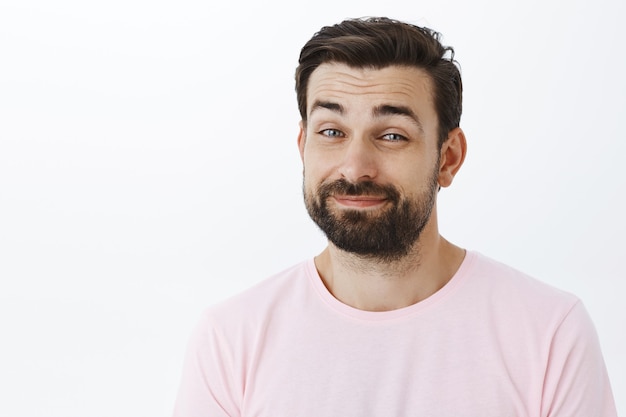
(385, 236)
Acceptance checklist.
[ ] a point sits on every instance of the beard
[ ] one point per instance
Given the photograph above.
(384, 235)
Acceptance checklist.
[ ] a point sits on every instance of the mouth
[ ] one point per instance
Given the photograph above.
(359, 201)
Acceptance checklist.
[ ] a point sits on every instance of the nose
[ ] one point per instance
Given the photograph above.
(359, 160)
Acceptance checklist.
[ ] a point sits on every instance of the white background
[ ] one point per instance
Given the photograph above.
(148, 168)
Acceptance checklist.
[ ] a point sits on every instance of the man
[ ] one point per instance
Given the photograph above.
(390, 319)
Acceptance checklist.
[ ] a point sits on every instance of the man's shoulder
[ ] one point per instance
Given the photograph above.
(506, 282)
(268, 295)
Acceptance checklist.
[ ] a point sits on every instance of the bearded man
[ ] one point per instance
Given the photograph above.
(390, 319)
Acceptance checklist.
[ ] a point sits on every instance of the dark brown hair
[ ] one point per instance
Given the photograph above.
(379, 42)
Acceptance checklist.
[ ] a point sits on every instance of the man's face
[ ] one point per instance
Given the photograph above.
(371, 160)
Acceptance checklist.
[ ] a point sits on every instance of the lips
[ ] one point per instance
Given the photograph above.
(363, 201)
(362, 195)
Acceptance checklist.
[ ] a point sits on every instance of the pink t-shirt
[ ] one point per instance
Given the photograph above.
(492, 342)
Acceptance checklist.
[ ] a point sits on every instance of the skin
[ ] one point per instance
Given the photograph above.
(350, 133)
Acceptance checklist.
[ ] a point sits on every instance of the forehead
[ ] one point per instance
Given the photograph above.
(398, 85)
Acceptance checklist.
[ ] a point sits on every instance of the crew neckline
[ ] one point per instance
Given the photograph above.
(345, 309)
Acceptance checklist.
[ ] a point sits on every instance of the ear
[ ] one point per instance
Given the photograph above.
(452, 156)
(301, 139)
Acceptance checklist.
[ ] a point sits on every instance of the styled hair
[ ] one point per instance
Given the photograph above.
(379, 42)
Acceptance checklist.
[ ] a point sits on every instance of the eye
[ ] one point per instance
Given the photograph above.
(394, 137)
(332, 133)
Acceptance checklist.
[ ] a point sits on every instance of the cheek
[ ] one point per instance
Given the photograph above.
(310, 180)
(414, 177)
(316, 168)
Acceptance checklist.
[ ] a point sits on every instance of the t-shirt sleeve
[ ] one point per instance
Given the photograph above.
(207, 387)
(576, 383)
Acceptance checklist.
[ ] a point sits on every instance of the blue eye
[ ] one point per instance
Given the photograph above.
(393, 137)
(332, 133)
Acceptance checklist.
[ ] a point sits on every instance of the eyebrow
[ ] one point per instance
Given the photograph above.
(389, 110)
(329, 105)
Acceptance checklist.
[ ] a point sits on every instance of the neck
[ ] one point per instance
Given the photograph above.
(374, 285)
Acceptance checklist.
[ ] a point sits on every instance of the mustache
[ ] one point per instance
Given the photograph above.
(344, 187)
